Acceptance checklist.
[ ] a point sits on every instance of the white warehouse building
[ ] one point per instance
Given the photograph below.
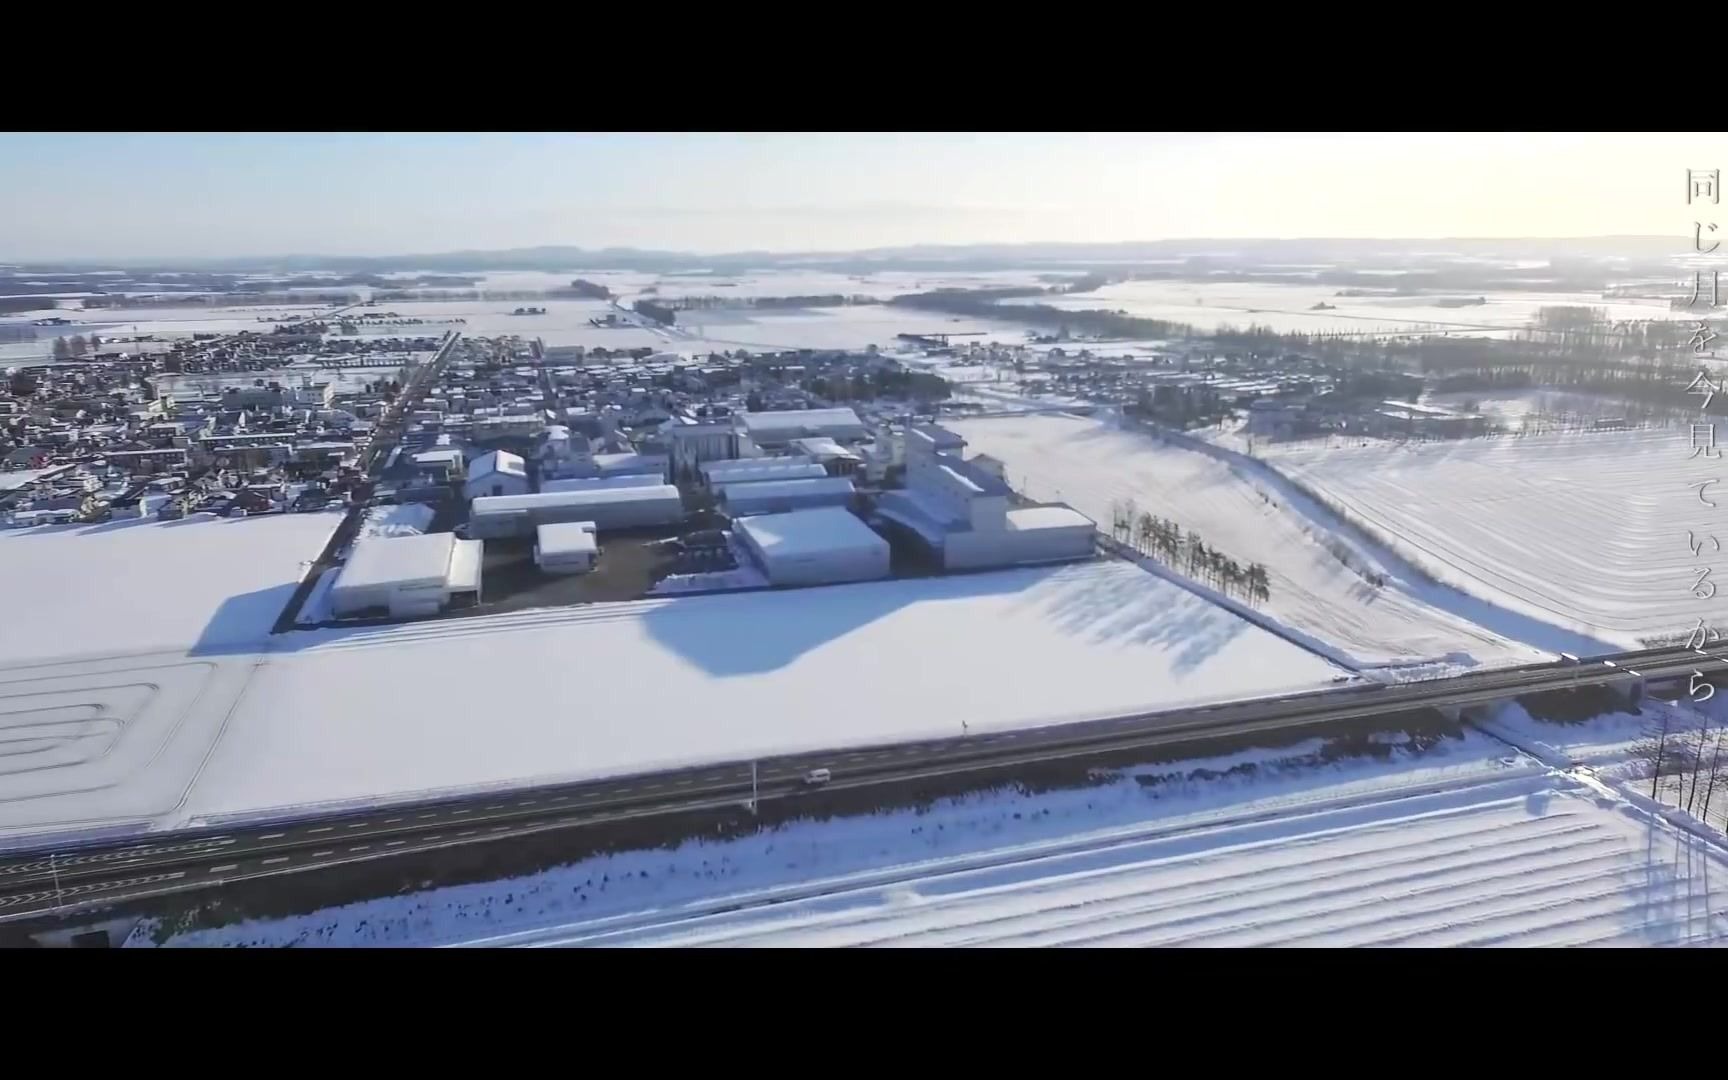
(754, 470)
(407, 575)
(781, 496)
(497, 473)
(814, 547)
(767, 430)
(567, 547)
(601, 483)
(607, 508)
(960, 512)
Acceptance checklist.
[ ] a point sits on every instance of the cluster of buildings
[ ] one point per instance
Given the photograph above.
(129, 434)
(541, 454)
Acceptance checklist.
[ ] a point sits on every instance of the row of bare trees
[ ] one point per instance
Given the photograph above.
(1165, 540)
(1688, 764)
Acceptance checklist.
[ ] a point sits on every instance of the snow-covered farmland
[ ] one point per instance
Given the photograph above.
(1586, 531)
(1533, 861)
(1091, 464)
(122, 650)
(201, 583)
(615, 688)
(1463, 842)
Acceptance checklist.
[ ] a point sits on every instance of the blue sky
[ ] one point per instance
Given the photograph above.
(143, 195)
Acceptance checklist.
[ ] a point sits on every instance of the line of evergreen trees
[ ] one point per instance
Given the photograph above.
(1165, 540)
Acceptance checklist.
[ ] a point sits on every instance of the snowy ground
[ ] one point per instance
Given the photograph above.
(1584, 531)
(397, 519)
(1288, 308)
(1465, 843)
(201, 583)
(1531, 862)
(365, 715)
(615, 688)
(137, 640)
(1090, 464)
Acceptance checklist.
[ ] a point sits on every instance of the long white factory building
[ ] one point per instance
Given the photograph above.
(607, 508)
(814, 547)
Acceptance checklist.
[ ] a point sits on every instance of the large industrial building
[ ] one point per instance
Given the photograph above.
(960, 513)
(789, 467)
(814, 547)
(407, 575)
(601, 483)
(780, 496)
(775, 430)
(607, 508)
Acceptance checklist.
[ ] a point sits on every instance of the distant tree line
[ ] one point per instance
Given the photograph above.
(656, 312)
(897, 385)
(588, 290)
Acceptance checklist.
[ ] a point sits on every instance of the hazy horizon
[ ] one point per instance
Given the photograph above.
(92, 196)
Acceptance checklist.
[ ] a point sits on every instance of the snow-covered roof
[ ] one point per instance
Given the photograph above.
(438, 457)
(398, 560)
(596, 483)
(465, 560)
(1032, 518)
(798, 421)
(735, 477)
(399, 519)
(821, 446)
(509, 504)
(722, 470)
(497, 461)
(774, 489)
(566, 538)
(620, 463)
(808, 532)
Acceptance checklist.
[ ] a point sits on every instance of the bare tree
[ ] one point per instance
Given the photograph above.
(1652, 751)
(1145, 529)
(1695, 742)
(62, 351)
(78, 345)
(1717, 780)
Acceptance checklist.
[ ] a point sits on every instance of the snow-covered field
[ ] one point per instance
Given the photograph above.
(122, 651)
(1536, 861)
(1462, 843)
(357, 716)
(353, 715)
(1585, 531)
(1508, 408)
(201, 583)
(1090, 464)
(1289, 308)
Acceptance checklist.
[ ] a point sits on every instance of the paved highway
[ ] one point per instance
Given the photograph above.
(35, 883)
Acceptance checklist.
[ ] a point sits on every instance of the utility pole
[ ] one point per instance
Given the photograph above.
(752, 786)
(54, 868)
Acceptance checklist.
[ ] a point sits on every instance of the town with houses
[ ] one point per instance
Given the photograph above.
(488, 457)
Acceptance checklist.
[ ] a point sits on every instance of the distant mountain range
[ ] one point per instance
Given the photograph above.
(1391, 252)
